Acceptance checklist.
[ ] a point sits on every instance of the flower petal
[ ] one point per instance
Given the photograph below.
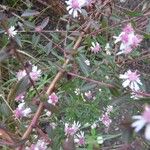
(126, 83)
(147, 132)
(139, 124)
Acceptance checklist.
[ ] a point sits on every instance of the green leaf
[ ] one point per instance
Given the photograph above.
(18, 41)
(4, 110)
(29, 13)
(35, 40)
(114, 91)
(55, 37)
(48, 48)
(88, 86)
(84, 68)
(108, 137)
(93, 132)
(147, 36)
(29, 24)
(44, 23)
(143, 100)
(134, 14)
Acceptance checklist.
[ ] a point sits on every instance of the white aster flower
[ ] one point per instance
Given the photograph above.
(107, 49)
(131, 79)
(77, 91)
(87, 62)
(143, 121)
(11, 31)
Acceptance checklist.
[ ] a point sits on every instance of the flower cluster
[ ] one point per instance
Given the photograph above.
(35, 73)
(129, 40)
(22, 111)
(143, 121)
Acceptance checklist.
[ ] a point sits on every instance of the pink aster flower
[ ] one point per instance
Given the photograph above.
(88, 95)
(22, 111)
(95, 47)
(80, 139)
(129, 40)
(20, 97)
(128, 29)
(136, 40)
(71, 129)
(40, 145)
(38, 29)
(21, 74)
(131, 79)
(35, 74)
(53, 99)
(106, 120)
(143, 121)
(11, 31)
(74, 6)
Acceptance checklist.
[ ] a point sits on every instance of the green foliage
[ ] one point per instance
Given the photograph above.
(48, 46)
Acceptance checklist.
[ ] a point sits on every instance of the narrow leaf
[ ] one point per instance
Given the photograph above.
(20, 87)
(4, 55)
(44, 23)
(48, 48)
(29, 13)
(35, 40)
(84, 68)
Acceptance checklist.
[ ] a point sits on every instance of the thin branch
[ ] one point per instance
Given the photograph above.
(91, 80)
